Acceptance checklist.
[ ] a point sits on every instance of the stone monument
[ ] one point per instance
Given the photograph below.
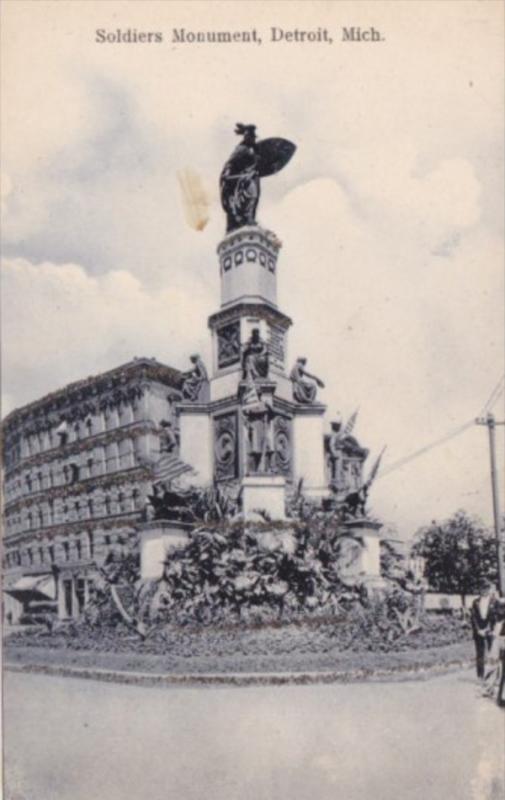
(261, 429)
(251, 424)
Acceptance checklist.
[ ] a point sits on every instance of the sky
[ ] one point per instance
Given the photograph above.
(390, 212)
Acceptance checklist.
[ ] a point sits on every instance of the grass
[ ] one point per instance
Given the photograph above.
(290, 648)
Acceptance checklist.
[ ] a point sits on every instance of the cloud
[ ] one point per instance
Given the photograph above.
(388, 215)
(60, 324)
(6, 189)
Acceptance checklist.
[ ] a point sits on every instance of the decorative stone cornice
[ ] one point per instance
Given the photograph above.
(131, 430)
(79, 526)
(264, 310)
(250, 233)
(119, 385)
(85, 486)
(308, 410)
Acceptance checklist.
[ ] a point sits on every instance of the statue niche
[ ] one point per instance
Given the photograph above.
(260, 439)
(255, 358)
(240, 177)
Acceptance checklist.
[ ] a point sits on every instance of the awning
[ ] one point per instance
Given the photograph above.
(33, 587)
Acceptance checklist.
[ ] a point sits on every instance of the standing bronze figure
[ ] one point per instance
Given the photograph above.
(240, 177)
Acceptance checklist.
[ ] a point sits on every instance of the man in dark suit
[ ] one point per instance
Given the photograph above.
(483, 618)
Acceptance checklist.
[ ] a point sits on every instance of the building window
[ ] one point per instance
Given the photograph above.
(51, 553)
(74, 472)
(78, 547)
(66, 474)
(106, 539)
(80, 594)
(107, 504)
(29, 552)
(89, 426)
(111, 419)
(135, 499)
(68, 597)
(127, 454)
(28, 482)
(112, 456)
(29, 520)
(91, 542)
(62, 433)
(89, 465)
(66, 550)
(91, 507)
(41, 555)
(99, 465)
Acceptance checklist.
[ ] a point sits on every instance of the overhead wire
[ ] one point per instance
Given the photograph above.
(493, 398)
(403, 461)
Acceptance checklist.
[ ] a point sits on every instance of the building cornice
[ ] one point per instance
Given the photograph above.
(142, 472)
(131, 429)
(117, 380)
(236, 310)
(81, 526)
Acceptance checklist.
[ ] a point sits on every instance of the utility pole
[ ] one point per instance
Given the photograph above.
(491, 424)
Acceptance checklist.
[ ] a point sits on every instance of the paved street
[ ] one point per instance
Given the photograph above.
(71, 739)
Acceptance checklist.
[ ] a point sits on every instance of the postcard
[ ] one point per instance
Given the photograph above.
(252, 399)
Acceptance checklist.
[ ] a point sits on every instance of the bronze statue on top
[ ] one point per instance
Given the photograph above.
(240, 177)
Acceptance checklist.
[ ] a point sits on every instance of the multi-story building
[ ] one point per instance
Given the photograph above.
(77, 467)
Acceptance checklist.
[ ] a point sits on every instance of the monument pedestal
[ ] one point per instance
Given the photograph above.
(308, 449)
(367, 565)
(158, 539)
(196, 440)
(264, 493)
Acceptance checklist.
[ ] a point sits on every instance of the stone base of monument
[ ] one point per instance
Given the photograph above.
(264, 493)
(308, 450)
(196, 444)
(367, 562)
(158, 539)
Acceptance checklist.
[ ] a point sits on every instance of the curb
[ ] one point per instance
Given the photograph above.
(240, 679)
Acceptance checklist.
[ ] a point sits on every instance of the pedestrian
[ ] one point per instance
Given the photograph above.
(482, 617)
(494, 678)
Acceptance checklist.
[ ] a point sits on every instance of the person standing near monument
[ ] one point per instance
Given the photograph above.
(483, 618)
(494, 669)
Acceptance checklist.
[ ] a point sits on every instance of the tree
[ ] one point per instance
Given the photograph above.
(459, 554)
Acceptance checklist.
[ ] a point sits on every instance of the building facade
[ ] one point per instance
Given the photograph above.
(77, 468)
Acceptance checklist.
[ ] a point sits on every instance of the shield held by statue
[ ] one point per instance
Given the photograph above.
(273, 155)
